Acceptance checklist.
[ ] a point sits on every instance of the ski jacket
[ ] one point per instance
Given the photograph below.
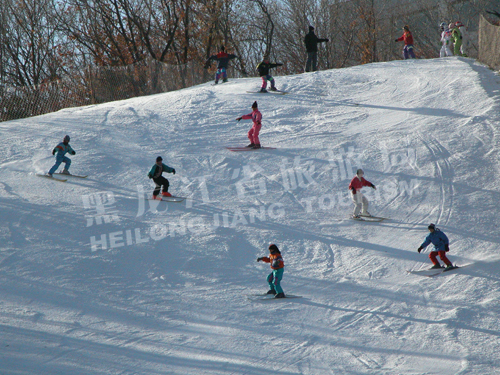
(446, 36)
(62, 149)
(255, 116)
(311, 41)
(357, 184)
(223, 59)
(407, 37)
(276, 261)
(264, 68)
(156, 170)
(438, 239)
(456, 35)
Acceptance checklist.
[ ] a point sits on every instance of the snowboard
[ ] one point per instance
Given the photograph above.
(270, 297)
(431, 272)
(278, 92)
(243, 148)
(51, 178)
(72, 175)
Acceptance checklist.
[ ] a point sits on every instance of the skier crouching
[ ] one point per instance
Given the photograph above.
(441, 246)
(359, 200)
(61, 149)
(156, 174)
(278, 266)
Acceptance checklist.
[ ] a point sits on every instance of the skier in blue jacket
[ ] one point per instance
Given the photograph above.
(156, 174)
(61, 149)
(441, 246)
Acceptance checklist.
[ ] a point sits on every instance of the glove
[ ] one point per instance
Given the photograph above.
(396, 40)
(373, 186)
(353, 191)
(259, 259)
(173, 171)
(73, 152)
(419, 249)
(150, 177)
(239, 119)
(53, 151)
(446, 248)
(327, 40)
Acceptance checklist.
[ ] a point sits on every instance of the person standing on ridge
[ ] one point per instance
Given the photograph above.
(156, 174)
(456, 36)
(311, 41)
(263, 69)
(277, 266)
(441, 246)
(463, 33)
(61, 149)
(359, 200)
(408, 39)
(253, 133)
(445, 39)
(223, 58)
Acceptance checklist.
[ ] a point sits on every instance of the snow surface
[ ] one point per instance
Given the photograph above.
(94, 279)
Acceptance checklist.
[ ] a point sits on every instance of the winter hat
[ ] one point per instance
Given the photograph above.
(406, 28)
(360, 171)
(66, 138)
(273, 249)
(254, 105)
(159, 158)
(311, 28)
(222, 48)
(431, 226)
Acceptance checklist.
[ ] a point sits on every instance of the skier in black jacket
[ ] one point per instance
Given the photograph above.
(311, 41)
(263, 69)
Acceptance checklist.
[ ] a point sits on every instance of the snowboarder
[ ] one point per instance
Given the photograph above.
(359, 200)
(463, 33)
(263, 69)
(456, 36)
(441, 246)
(61, 149)
(223, 58)
(445, 39)
(156, 174)
(253, 133)
(408, 39)
(277, 265)
(311, 41)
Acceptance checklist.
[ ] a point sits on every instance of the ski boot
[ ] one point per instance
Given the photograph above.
(263, 90)
(166, 194)
(271, 291)
(273, 89)
(250, 145)
(366, 214)
(449, 267)
(280, 295)
(66, 172)
(356, 216)
(436, 266)
(224, 80)
(256, 146)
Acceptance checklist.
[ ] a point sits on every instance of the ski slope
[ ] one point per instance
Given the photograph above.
(95, 279)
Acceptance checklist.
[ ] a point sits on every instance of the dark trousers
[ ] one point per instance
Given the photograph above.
(159, 182)
(312, 60)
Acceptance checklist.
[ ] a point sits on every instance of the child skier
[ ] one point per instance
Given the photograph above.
(61, 149)
(359, 200)
(156, 174)
(253, 133)
(277, 265)
(445, 39)
(456, 36)
(223, 58)
(263, 69)
(408, 39)
(441, 246)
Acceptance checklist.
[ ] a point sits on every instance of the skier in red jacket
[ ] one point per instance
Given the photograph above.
(359, 200)
(408, 39)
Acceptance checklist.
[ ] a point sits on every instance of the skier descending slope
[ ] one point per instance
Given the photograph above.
(223, 58)
(264, 67)
(278, 266)
(441, 246)
(359, 200)
(156, 174)
(61, 149)
(253, 133)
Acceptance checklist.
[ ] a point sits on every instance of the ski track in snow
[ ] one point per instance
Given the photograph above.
(177, 304)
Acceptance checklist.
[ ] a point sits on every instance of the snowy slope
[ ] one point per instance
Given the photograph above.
(94, 279)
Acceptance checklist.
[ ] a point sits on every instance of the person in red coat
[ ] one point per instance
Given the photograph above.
(408, 39)
(359, 200)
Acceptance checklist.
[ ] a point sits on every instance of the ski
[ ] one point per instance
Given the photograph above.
(375, 217)
(236, 149)
(72, 175)
(368, 219)
(52, 178)
(431, 272)
(270, 297)
(269, 92)
(169, 199)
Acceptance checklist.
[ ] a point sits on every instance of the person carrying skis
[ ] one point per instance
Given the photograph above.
(223, 60)
(445, 39)
(253, 133)
(277, 266)
(441, 246)
(156, 174)
(263, 69)
(61, 149)
(456, 36)
(359, 200)
(408, 39)
(311, 41)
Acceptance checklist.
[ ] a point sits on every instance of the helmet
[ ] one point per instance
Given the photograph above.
(66, 138)
(432, 226)
(458, 24)
(406, 28)
(442, 25)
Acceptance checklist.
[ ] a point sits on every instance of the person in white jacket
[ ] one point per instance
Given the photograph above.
(445, 39)
(463, 32)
